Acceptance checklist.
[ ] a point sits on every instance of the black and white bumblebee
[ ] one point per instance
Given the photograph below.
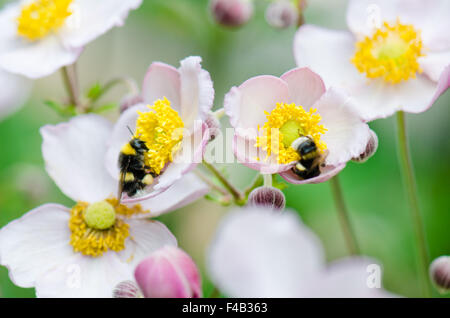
(134, 174)
(311, 160)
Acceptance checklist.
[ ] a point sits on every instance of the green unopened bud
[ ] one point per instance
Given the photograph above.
(100, 215)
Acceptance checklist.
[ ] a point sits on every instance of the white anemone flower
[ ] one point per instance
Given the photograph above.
(40, 36)
(85, 251)
(395, 56)
(15, 91)
(171, 121)
(262, 253)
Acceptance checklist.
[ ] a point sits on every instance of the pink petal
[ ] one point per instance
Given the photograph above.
(74, 157)
(245, 105)
(434, 63)
(328, 172)
(161, 81)
(305, 86)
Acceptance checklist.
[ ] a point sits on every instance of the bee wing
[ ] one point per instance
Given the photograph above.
(319, 160)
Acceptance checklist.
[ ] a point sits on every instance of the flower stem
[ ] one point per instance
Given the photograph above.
(239, 198)
(267, 180)
(344, 219)
(70, 80)
(411, 189)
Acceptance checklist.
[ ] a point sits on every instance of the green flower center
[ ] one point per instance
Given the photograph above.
(100, 215)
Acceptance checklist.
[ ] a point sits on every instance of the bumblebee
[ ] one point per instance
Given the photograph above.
(310, 158)
(134, 174)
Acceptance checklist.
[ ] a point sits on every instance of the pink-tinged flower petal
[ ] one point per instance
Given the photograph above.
(442, 86)
(188, 156)
(347, 135)
(90, 19)
(246, 153)
(169, 273)
(353, 277)
(161, 81)
(429, 17)
(74, 157)
(305, 86)
(35, 243)
(434, 63)
(120, 136)
(146, 236)
(262, 253)
(327, 173)
(183, 192)
(328, 53)
(15, 90)
(377, 99)
(84, 277)
(245, 105)
(197, 92)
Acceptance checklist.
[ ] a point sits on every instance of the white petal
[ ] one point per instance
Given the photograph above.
(245, 105)
(353, 277)
(255, 158)
(35, 243)
(146, 236)
(74, 157)
(347, 135)
(161, 81)
(429, 17)
(434, 63)
(31, 59)
(328, 53)
(186, 190)
(305, 86)
(84, 277)
(14, 92)
(378, 99)
(197, 92)
(90, 19)
(120, 136)
(259, 253)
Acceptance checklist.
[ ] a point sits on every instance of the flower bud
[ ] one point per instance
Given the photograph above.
(440, 273)
(129, 101)
(371, 148)
(282, 14)
(268, 197)
(127, 289)
(232, 13)
(168, 273)
(214, 126)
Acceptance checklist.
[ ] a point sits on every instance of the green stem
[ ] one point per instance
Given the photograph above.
(411, 189)
(344, 219)
(71, 86)
(237, 195)
(267, 180)
(127, 81)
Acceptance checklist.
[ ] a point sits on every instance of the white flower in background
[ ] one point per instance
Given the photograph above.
(395, 56)
(261, 253)
(15, 90)
(87, 250)
(270, 114)
(39, 36)
(171, 121)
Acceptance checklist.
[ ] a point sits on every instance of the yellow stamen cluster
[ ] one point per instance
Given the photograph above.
(162, 130)
(274, 141)
(41, 17)
(94, 242)
(391, 53)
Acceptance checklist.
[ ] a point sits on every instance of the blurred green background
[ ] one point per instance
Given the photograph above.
(169, 30)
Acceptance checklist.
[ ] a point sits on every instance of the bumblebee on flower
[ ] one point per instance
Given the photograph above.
(295, 127)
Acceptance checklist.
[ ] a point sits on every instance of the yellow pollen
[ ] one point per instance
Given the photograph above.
(41, 17)
(285, 124)
(162, 131)
(94, 242)
(391, 53)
